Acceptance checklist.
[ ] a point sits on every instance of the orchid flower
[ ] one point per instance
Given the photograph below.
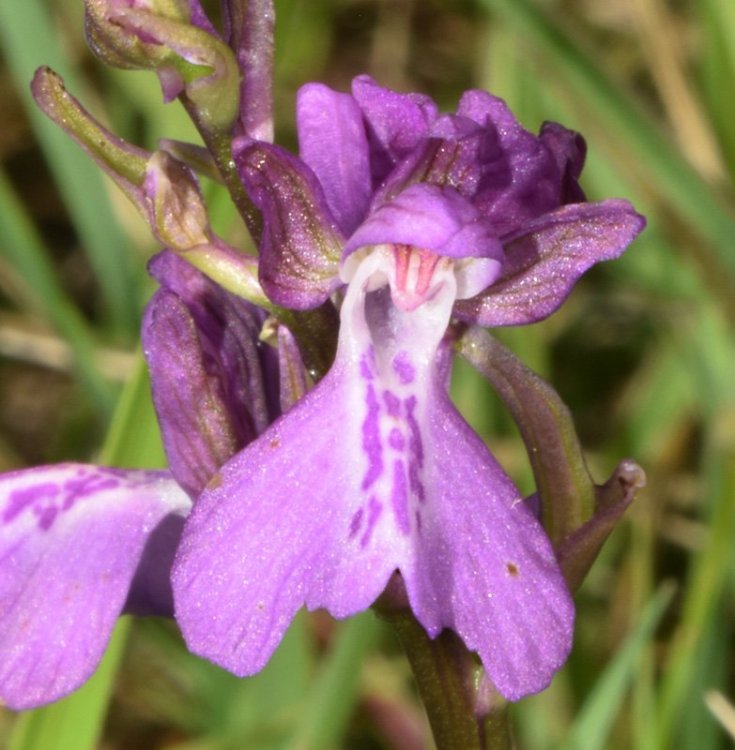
(416, 225)
(414, 220)
(80, 544)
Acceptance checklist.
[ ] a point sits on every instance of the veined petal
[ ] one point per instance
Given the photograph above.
(432, 218)
(546, 259)
(457, 161)
(395, 123)
(72, 538)
(302, 242)
(209, 371)
(524, 176)
(484, 566)
(569, 149)
(332, 141)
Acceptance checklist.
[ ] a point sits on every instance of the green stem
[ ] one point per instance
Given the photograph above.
(464, 710)
(219, 144)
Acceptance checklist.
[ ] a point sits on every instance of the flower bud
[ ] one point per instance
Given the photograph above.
(177, 213)
(123, 162)
(159, 35)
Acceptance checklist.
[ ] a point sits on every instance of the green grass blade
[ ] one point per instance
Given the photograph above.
(336, 690)
(594, 721)
(717, 71)
(28, 39)
(647, 145)
(24, 249)
(707, 582)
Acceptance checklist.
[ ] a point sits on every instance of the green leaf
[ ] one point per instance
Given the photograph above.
(335, 692)
(29, 40)
(592, 726)
(569, 68)
(24, 249)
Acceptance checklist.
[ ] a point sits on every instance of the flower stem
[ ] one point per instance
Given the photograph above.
(219, 144)
(464, 710)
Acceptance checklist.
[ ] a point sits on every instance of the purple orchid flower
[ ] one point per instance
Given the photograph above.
(425, 218)
(81, 544)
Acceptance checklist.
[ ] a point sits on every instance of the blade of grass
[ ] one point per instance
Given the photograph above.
(710, 671)
(28, 38)
(211, 706)
(717, 70)
(592, 726)
(707, 581)
(576, 70)
(23, 247)
(77, 721)
(336, 690)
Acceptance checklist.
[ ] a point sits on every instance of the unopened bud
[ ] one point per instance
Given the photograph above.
(177, 213)
(159, 35)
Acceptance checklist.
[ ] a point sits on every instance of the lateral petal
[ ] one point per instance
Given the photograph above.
(484, 566)
(524, 176)
(546, 258)
(395, 123)
(72, 538)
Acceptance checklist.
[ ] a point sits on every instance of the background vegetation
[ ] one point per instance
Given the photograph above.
(643, 352)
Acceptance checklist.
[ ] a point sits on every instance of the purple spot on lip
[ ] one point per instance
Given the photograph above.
(47, 500)
(417, 446)
(403, 367)
(367, 362)
(392, 403)
(77, 489)
(46, 517)
(356, 522)
(417, 486)
(375, 507)
(27, 497)
(396, 439)
(399, 497)
(365, 370)
(371, 439)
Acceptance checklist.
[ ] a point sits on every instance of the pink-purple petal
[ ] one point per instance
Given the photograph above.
(315, 512)
(524, 175)
(485, 568)
(569, 150)
(395, 122)
(72, 538)
(209, 371)
(547, 257)
(455, 159)
(332, 141)
(278, 530)
(431, 218)
(374, 471)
